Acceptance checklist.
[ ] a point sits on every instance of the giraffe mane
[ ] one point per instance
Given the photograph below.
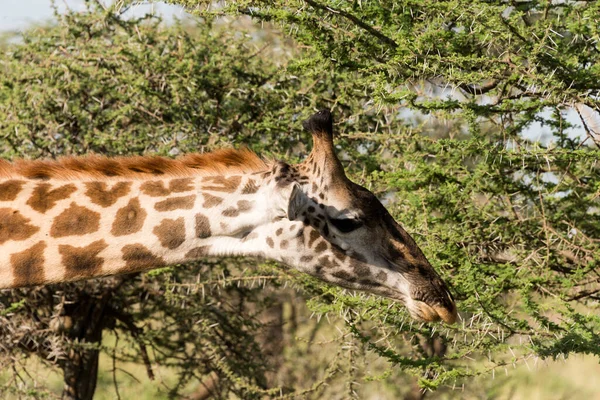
(100, 167)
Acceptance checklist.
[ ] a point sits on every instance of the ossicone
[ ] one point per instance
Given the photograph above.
(320, 124)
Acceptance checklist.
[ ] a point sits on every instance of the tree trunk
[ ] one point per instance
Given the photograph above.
(272, 343)
(80, 367)
(80, 372)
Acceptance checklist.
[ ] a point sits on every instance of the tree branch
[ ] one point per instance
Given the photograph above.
(135, 331)
(356, 21)
(481, 89)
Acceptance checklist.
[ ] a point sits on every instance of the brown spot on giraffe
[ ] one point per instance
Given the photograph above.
(170, 232)
(284, 244)
(138, 258)
(154, 188)
(75, 221)
(242, 207)
(314, 235)
(300, 237)
(211, 201)
(221, 183)
(99, 193)
(82, 262)
(250, 187)
(176, 203)
(181, 185)
(279, 231)
(321, 247)
(14, 226)
(28, 266)
(202, 226)
(342, 256)
(343, 275)
(381, 276)
(197, 252)
(325, 262)
(360, 269)
(306, 259)
(129, 219)
(10, 189)
(270, 242)
(158, 188)
(44, 197)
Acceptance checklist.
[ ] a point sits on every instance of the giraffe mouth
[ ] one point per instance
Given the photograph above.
(423, 311)
(426, 308)
(432, 313)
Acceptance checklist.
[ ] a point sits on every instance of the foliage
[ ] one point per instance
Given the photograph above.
(439, 107)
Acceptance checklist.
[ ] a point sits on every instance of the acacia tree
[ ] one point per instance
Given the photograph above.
(512, 220)
(437, 104)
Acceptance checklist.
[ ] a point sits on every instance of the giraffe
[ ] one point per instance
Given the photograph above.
(84, 217)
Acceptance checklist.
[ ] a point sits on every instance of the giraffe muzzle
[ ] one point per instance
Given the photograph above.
(432, 313)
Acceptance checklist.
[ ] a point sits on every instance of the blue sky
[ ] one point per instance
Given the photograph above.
(18, 14)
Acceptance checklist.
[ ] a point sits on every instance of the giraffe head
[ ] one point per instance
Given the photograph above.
(353, 241)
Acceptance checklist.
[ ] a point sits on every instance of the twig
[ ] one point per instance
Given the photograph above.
(356, 21)
(588, 132)
(481, 89)
(135, 333)
(114, 366)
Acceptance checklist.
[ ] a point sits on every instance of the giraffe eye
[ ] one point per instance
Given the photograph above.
(346, 225)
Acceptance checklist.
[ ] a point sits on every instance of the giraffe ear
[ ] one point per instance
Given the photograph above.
(296, 202)
(320, 126)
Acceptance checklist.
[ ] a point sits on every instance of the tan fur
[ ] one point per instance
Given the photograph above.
(98, 167)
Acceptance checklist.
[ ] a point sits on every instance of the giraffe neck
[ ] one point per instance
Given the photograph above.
(57, 231)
